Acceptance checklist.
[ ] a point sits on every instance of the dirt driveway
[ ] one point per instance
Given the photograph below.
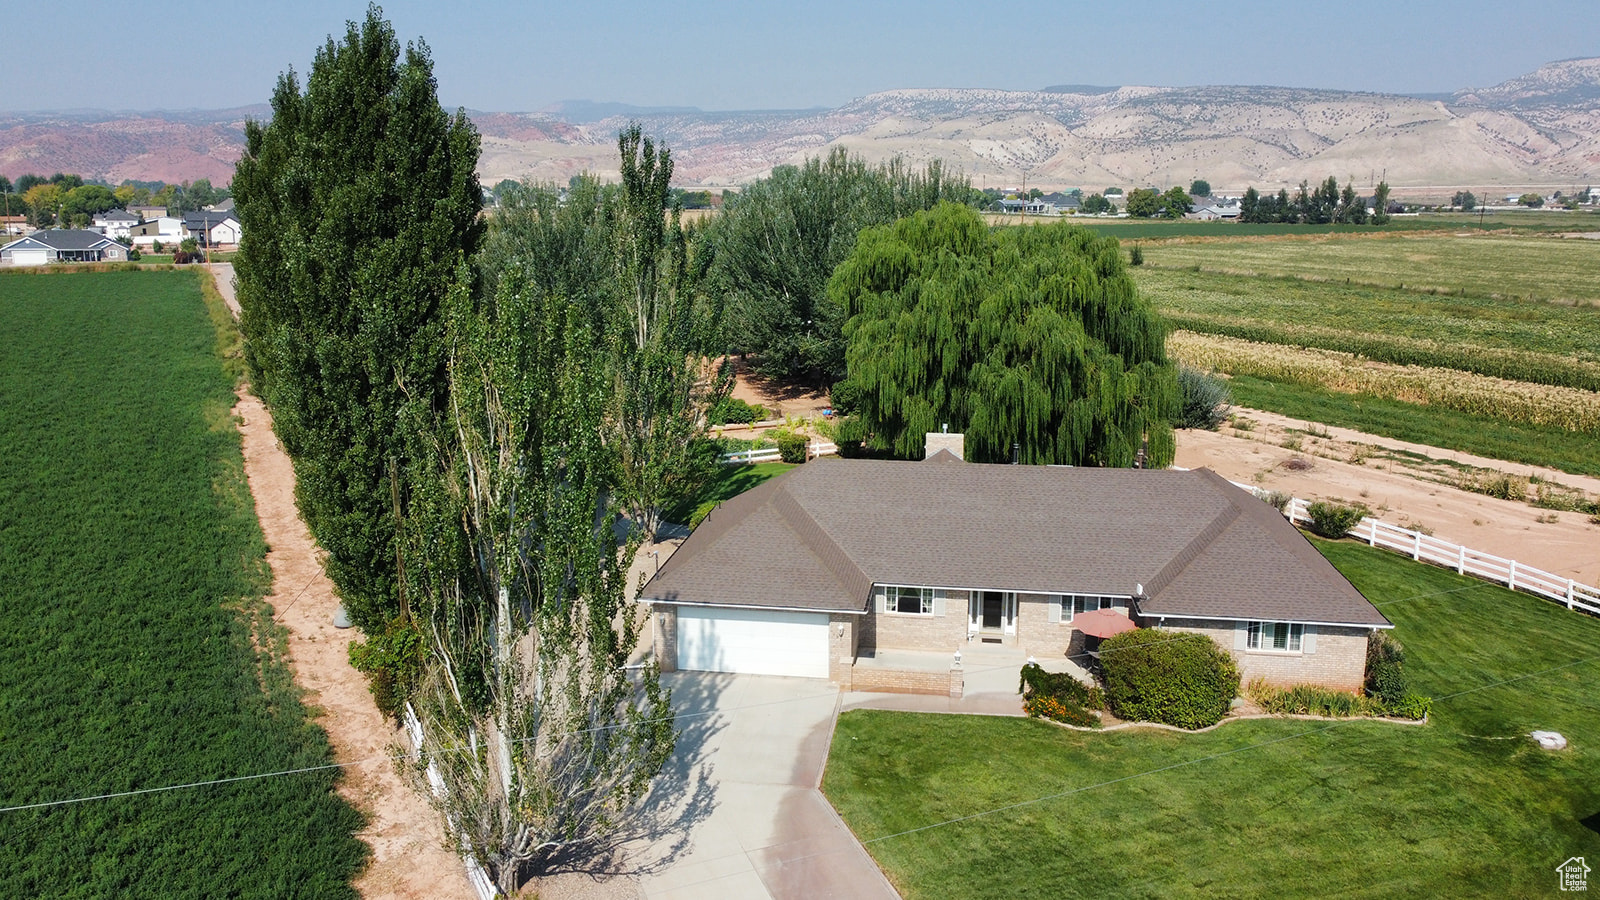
(1405, 484)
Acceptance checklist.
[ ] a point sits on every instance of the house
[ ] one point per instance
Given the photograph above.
(115, 223)
(1039, 207)
(223, 205)
(1214, 212)
(62, 245)
(14, 225)
(838, 561)
(165, 229)
(212, 229)
(148, 213)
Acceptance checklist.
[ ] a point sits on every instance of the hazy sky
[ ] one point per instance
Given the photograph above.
(505, 55)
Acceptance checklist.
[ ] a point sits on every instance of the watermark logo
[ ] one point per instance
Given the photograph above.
(1573, 875)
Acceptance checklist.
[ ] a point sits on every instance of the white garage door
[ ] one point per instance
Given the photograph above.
(30, 257)
(753, 642)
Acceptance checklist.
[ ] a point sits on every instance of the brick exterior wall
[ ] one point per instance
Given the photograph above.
(905, 631)
(1338, 660)
(843, 646)
(897, 681)
(665, 635)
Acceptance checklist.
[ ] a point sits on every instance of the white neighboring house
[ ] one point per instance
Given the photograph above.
(62, 245)
(212, 229)
(116, 223)
(166, 229)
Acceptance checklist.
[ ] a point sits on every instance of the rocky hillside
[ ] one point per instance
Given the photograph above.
(1541, 128)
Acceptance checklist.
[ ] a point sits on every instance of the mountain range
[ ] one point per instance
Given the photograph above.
(1540, 128)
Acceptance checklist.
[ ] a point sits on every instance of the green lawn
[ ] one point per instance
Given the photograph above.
(1462, 806)
(730, 481)
(1513, 268)
(131, 575)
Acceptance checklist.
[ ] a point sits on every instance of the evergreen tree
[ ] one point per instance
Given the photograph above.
(1033, 336)
(359, 202)
(1250, 206)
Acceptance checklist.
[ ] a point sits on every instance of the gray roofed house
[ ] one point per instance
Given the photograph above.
(62, 245)
(843, 559)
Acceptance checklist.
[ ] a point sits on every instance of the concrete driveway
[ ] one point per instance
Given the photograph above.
(750, 755)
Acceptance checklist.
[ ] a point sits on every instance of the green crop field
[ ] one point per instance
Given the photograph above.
(1502, 267)
(135, 651)
(1538, 342)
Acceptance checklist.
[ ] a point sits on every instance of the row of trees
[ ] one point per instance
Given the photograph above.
(1322, 205)
(69, 201)
(467, 410)
(1145, 203)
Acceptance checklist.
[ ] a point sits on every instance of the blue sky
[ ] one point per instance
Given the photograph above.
(717, 54)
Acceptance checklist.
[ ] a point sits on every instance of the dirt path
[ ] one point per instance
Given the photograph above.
(1404, 484)
(409, 860)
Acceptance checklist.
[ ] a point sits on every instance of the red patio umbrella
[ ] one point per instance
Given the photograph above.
(1102, 623)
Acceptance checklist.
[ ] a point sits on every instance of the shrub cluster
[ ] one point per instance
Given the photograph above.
(1206, 400)
(1331, 519)
(1172, 677)
(1494, 484)
(733, 411)
(792, 448)
(1312, 700)
(1386, 674)
(393, 663)
(1059, 696)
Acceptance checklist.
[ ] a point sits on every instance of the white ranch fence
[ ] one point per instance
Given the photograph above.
(477, 876)
(770, 454)
(1464, 560)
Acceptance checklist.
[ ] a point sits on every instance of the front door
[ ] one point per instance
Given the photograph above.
(993, 612)
(993, 607)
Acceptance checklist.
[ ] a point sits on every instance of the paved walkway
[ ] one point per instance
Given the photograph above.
(749, 763)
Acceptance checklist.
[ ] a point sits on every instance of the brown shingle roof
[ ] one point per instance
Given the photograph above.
(821, 535)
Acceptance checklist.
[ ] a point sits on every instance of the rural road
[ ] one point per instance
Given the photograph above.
(223, 274)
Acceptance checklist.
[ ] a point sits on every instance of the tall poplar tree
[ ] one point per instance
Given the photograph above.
(1033, 337)
(359, 202)
(540, 740)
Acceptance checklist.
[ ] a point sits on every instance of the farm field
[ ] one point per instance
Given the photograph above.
(1513, 268)
(1465, 805)
(1537, 342)
(137, 653)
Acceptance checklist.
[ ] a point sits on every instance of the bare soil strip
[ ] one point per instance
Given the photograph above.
(1405, 484)
(409, 859)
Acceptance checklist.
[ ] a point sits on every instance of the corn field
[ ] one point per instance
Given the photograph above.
(1565, 408)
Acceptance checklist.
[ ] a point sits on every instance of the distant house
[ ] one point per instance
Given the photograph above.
(148, 213)
(1040, 207)
(14, 225)
(1063, 202)
(224, 205)
(115, 223)
(1214, 212)
(62, 245)
(165, 229)
(212, 229)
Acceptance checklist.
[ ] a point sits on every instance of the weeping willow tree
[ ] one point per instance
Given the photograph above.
(1026, 337)
(541, 742)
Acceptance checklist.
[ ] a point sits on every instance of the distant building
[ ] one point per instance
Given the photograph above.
(165, 229)
(148, 213)
(212, 229)
(1038, 207)
(115, 223)
(62, 245)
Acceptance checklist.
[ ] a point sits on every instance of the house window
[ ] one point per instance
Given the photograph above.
(1281, 636)
(911, 601)
(1072, 604)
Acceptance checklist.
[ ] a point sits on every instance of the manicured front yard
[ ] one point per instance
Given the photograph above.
(729, 482)
(1463, 806)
